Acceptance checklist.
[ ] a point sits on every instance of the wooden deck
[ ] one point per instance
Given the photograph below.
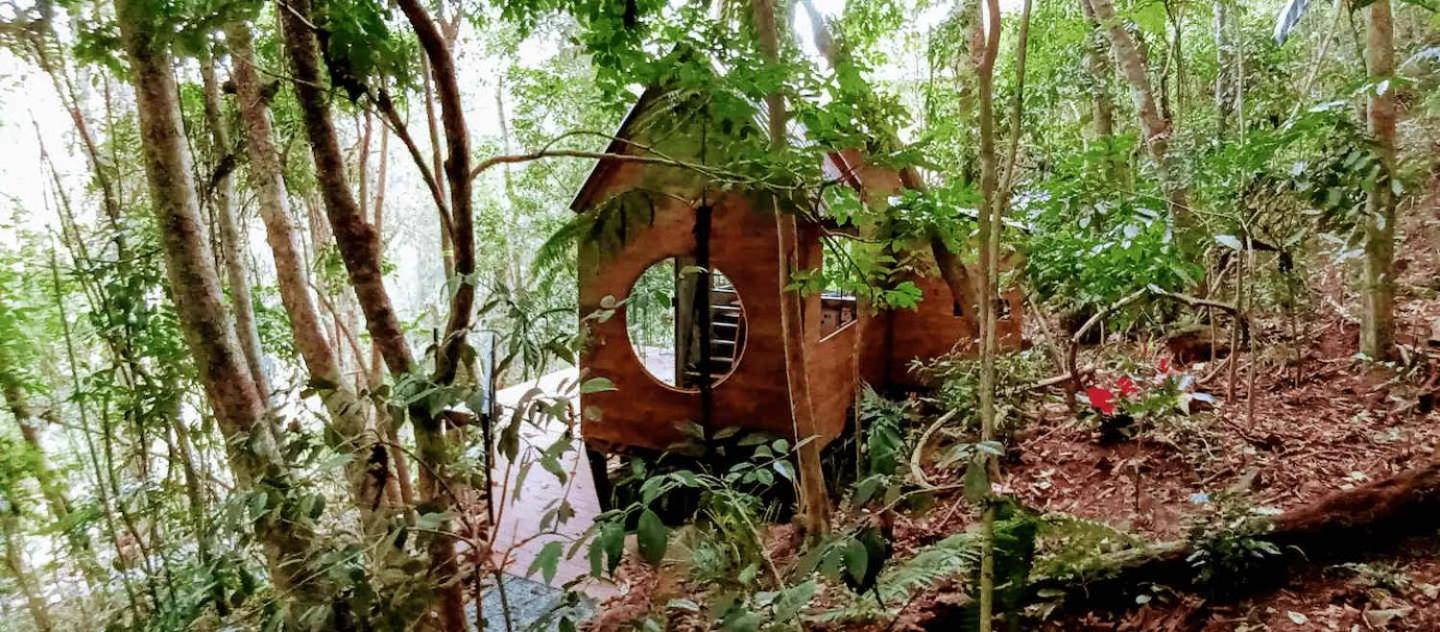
(520, 514)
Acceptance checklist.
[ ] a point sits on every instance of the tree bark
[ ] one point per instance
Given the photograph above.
(404, 489)
(1102, 107)
(815, 498)
(15, 563)
(59, 74)
(430, 443)
(990, 230)
(447, 248)
(356, 240)
(457, 175)
(1377, 319)
(1332, 528)
(233, 243)
(1154, 128)
(316, 350)
(77, 540)
(1222, 69)
(359, 247)
(29, 425)
(195, 286)
(101, 489)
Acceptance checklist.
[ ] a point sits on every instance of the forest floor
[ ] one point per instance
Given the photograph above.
(1327, 423)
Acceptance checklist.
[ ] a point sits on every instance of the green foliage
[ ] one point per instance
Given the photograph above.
(1071, 548)
(957, 558)
(1227, 542)
(360, 47)
(724, 506)
(958, 377)
(1093, 243)
(902, 93)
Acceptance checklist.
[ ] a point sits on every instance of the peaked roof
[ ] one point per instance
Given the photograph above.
(843, 165)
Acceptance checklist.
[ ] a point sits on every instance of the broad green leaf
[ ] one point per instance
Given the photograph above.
(597, 385)
(547, 561)
(651, 537)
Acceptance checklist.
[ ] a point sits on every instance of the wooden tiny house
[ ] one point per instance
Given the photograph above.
(650, 224)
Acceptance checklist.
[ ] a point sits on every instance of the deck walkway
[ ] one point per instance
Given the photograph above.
(519, 514)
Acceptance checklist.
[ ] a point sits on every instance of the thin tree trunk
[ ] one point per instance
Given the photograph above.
(233, 243)
(1175, 11)
(457, 175)
(815, 498)
(1377, 319)
(195, 287)
(1154, 128)
(404, 488)
(1098, 71)
(989, 276)
(359, 247)
(15, 563)
(70, 98)
(29, 424)
(430, 443)
(447, 246)
(101, 489)
(195, 498)
(1222, 85)
(356, 240)
(513, 265)
(51, 488)
(318, 352)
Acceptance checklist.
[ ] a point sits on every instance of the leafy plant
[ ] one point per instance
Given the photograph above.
(1227, 542)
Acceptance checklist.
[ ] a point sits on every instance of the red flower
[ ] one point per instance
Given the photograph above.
(1101, 399)
(1126, 386)
(1163, 365)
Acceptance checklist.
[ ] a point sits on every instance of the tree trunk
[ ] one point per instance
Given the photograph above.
(359, 247)
(356, 240)
(233, 243)
(317, 351)
(430, 443)
(1154, 128)
(1098, 71)
(1377, 319)
(59, 74)
(51, 488)
(15, 563)
(990, 230)
(1222, 83)
(1332, 528)
(457, 175)
(30, 431)
(195, 287)
(101, 489)
(447, 248)
(398, 458)
(815, 498)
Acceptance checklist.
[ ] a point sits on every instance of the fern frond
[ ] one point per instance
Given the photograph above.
(560, 245)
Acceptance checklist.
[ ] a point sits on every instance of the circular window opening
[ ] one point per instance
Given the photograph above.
(682, 333)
